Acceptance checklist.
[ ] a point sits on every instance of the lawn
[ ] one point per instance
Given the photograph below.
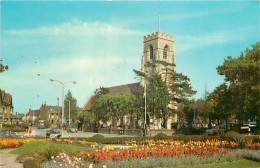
(38, 146)
(235, 164)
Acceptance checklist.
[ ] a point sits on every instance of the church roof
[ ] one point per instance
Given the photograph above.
(87, 105)
(124, 89)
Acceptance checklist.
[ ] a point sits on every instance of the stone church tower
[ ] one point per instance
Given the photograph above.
(158, 47)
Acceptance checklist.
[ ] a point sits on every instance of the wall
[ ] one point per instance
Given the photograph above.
(164, 131)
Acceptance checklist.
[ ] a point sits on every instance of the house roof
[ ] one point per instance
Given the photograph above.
(55, 108)
(19, 116)
(5, 98)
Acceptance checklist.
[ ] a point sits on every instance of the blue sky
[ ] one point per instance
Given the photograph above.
(100, 43)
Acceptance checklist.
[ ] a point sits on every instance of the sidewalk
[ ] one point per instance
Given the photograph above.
(8, 160)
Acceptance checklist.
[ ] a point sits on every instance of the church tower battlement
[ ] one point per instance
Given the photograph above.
(158, 35)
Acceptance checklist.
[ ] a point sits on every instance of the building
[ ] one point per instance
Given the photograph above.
(156, 47)
(18, 118)
(46, 112)
(6, 107)
(159, 47)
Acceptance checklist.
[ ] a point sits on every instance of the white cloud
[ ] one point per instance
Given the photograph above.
(93, 54)
(75, 28)
(187, 42)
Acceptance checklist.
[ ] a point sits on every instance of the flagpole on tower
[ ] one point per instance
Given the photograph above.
(159, 18)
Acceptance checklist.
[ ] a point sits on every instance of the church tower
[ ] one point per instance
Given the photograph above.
(157, 47)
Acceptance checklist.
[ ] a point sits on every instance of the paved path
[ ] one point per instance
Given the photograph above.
(8, 160)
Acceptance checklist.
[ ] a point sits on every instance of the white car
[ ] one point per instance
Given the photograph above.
(214, 131)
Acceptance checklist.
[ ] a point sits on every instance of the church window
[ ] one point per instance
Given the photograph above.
(165, 50)
(151, 52)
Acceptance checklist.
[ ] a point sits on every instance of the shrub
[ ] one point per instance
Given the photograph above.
(193, 131)
(160, 136)
(257, 132)
(50, 151)
(97, 138)
(31, 164)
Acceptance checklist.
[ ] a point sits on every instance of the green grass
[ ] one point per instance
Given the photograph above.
(235, 164)
(42, 146)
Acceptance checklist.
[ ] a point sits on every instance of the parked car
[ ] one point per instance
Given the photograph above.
(214, 131)
(72, 129)
(8, 135)
(55, 130)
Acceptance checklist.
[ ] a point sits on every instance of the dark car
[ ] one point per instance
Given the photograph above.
(72, 129)
(9, 135)
(55, 130)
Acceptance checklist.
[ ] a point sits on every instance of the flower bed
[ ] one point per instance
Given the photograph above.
(164, 148)
(152, 151)
(6, 143)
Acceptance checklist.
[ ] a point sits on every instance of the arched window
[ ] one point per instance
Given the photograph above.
(165, 52)
(151, 52)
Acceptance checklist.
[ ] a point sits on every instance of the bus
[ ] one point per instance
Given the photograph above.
(43, 124)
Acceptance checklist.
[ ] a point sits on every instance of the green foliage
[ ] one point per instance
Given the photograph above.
(86, 117)
(231, 135)
(73, 106)
(13, 128)
(158, 96)
(242, 140)
(32, 147)
(3, 67)
(24, 125)
(242, 76)
(222, 103)
(115, 106)
(160, 136)
(50, 151)
(31, 164)
(193, 131)
(97, 138)
(257, 132)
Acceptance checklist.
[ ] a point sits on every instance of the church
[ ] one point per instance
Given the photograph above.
(156, 47)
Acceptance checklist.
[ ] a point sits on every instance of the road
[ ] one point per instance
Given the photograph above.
(79, 134)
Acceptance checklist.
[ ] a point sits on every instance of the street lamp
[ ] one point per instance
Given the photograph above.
(62, 118)
(69, 111)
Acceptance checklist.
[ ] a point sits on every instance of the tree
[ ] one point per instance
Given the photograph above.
(242, 76)
(177, 84)
(73, 106)
(2, 67)
(86, 117)
(204, 106)
(222, 103)
(106, 106)
(158, 97)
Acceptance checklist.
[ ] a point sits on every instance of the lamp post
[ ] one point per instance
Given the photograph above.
(69, 111)
(25, 113)
(62, 118)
